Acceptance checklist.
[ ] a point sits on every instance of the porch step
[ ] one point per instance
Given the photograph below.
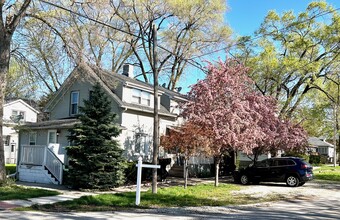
(176, 171)
(50, 175)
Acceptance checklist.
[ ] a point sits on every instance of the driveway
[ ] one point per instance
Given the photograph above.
(315, 200)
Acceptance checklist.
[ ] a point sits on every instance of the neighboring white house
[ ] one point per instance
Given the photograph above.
(15, 112)
(42, 145)
(322, 147)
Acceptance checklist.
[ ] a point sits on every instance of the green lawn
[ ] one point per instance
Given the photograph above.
(10, 168)
(199, 195)
(10, 192)
(327, 173)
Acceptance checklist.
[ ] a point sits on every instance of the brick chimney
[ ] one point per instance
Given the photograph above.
(128, 70)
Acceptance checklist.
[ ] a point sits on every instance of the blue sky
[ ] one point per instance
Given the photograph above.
(245, 16)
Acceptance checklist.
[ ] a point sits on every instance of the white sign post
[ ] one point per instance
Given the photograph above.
(139, 166)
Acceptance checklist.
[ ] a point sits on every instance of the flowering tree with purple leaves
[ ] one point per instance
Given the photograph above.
(189, 140)
(237, 117)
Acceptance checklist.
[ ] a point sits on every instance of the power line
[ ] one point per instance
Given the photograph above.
(190, 61)
(259, 36)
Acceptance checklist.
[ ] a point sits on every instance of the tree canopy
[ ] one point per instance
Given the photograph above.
(237, 116)
(108, 34)
(293, 53)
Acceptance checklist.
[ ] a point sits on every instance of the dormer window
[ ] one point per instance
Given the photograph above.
(74, 103)
(141, 97)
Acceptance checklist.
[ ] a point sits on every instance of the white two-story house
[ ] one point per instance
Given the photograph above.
(42, 145)
(16, 112)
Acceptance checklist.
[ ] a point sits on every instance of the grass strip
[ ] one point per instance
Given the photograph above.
(199, 195)
(11, 192)
(327, 173)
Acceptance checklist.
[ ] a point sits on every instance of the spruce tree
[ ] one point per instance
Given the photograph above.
(95, 158)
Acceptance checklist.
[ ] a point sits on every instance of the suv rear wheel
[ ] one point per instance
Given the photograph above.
(244, 179)
(292, 181)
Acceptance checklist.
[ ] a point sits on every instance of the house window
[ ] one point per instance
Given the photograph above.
(74, 102)
(32, 138)
(322, 150)
(141, 97)
(142, 144)
(17, 115)
(6, 140)
(146, 98)
(14, 113)
(52, 137)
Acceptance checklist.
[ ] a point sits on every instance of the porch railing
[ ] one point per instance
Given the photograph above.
(33, 155)
(42, 156)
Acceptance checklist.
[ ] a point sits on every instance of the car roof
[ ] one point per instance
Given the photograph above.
(282, 158)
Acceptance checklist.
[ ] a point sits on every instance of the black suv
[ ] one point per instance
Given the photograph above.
(292, 170)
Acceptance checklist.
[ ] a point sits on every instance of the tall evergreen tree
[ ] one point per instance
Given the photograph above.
(95, 157)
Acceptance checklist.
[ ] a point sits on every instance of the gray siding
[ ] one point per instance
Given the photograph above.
(62, 108)
(118, 90)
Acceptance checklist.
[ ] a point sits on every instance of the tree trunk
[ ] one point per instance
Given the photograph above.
(217, 169)
(8, 24)
(4, 67)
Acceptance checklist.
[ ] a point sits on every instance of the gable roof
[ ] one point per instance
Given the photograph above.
(108, 81)
(12, 102)
(314, 141)
(107, 76)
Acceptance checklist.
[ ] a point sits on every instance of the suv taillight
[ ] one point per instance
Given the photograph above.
(303, 166)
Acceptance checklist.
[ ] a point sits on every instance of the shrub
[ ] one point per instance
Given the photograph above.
(297, 154)
(10, 168)
(323, 159)
(314, 159)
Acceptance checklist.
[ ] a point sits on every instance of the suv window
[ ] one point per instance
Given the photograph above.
(290, 162)
(263, 163)
(280, 162)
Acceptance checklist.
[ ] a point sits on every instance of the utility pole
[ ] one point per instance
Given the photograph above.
(335, 111)
(334, 135)
(155, 116)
